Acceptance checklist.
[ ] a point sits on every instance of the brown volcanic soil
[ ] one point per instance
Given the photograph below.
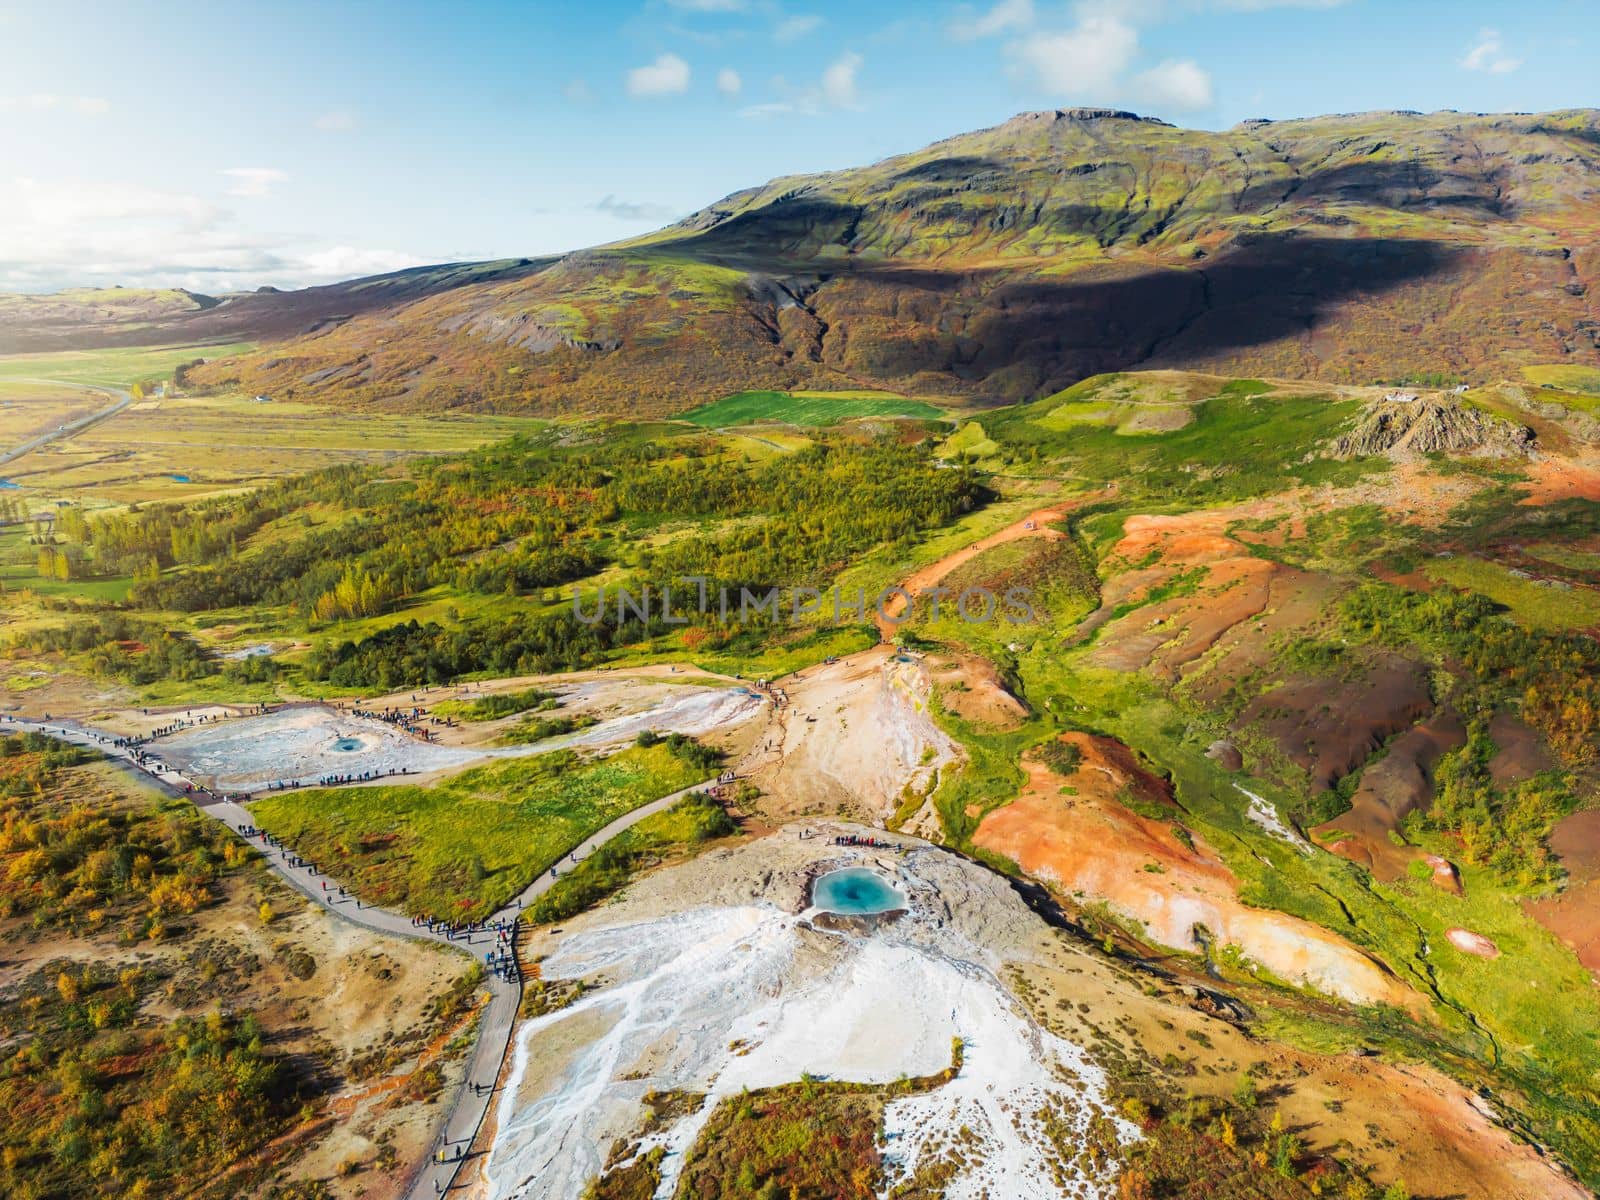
(1408, 1121)
(1520, 753)
(1221, 628)
(972, 689)
(854, 736)
(1330, 727)
(1075, 833)
(1395, 785)
(1573, 915)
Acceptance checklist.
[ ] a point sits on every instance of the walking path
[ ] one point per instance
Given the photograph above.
(460, 1126)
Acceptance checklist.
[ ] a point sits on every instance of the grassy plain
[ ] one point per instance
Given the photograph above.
(111, 367)
(1532, 603)
(190, 448)
(1566, 376)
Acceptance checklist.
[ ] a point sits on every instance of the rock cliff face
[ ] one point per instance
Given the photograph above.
(1009, 262)
(1432, 425)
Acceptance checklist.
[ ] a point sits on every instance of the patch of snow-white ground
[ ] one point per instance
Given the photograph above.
(1264, 815)
(300, 745)
(721, 999)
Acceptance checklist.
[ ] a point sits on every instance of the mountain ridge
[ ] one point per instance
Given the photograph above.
(1008, 262)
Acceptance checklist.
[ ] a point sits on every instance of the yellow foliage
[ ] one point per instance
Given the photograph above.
(28, 866)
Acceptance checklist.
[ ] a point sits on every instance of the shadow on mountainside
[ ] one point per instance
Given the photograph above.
(1030, 335)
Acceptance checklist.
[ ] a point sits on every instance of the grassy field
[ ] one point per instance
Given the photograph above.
(807, 408)
(465, 846)
(1568, 377)
(113, 367)
(687, 826)
(1531, 604)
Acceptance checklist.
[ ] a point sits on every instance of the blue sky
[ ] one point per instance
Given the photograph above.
(226, 145)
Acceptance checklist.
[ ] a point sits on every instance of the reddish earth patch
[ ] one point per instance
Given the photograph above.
(1445, 876)
(1552, 480)
(1231, 602)
(1397, 784)
(1226, 755)
(1074, 832)
(972, 689)
(1573, 915)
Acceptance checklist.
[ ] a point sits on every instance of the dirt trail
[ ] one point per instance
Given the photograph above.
(1035, 524)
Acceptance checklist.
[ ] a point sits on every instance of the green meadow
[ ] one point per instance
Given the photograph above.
(463, 847)
(810, 409)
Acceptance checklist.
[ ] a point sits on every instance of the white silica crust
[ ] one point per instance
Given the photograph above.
(721, 998)
(304, 744)
(301, 745)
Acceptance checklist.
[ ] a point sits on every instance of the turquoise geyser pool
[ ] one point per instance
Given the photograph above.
(855, 892)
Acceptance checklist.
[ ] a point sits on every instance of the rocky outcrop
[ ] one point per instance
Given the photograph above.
(1403, 429)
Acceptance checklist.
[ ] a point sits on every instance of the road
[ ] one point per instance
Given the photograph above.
(72, 427)
(471, 1103)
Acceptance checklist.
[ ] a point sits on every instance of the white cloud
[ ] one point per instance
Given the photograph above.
(839, 81)
(1099, 60)
(350, 262)
(728, 82)
(837, 88)
(64, 232)
(792, 29)
(1489, 54)
(636, 210)
(337, 121)
(579, 92)
(88, 106)
(1176, 85)
(1084, 63)
(36, 204)
(1005, 16)
(709, 6)
(667, 76)
(253, 181)
(776, 108)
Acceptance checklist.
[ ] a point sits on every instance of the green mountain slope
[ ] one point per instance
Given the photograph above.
(1012, 261)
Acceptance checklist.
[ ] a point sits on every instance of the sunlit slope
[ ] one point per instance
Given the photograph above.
(1012, 261)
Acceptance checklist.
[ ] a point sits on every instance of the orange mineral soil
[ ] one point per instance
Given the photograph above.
(1074, 832)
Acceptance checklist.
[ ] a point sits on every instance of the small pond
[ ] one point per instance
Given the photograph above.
(348, 745)
(854, 892)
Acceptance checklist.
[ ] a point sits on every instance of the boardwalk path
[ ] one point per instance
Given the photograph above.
(467, 1110)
